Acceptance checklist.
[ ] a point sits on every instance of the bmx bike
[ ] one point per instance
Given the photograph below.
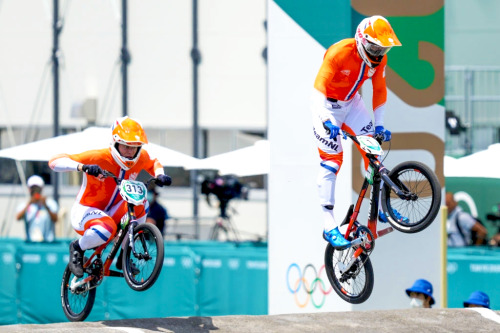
(410, 199)
(141, 257)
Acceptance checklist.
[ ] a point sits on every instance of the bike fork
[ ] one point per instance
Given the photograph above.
(344, 268)
(132, 244)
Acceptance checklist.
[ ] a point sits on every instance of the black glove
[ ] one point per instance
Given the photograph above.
(163, 180)
(92, 169)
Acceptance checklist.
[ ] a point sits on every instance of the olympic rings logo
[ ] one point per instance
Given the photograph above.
(297, 280)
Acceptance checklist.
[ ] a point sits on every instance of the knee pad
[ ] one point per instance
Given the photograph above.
(94, 236)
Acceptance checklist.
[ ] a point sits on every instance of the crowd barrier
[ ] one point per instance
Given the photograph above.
(197, 279)
(470, 269)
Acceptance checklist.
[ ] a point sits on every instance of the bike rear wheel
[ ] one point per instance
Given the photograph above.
(354, 286)
(147, 240)
(76, 305)
(420, 181)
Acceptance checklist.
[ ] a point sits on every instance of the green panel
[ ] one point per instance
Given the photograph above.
(471, 269)
(233, 281)
(411, 31)
(8, 294)
(39, 281)
(326, 21)
(173, 294)
(484, 191)
(183, 288)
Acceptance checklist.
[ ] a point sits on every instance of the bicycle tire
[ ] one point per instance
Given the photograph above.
(146, 235)
(76, 306)
(359, 286)
(419, 179)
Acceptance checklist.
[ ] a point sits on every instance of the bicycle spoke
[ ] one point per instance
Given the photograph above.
(418, 184)
(353, 286)
(143, 242)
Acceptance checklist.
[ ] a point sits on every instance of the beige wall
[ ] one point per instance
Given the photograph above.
(232, 71)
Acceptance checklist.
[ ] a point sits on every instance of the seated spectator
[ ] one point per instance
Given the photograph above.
(420, 294)
(460, 225)
(477, 299)
(39, 213)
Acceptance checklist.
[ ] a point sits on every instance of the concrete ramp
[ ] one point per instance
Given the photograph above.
(388, 321)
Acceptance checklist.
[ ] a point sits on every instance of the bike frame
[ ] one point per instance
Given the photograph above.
(379, 173)
(120, 236)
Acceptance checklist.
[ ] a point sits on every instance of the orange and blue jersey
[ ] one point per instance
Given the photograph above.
(343, 72)
(104, 193)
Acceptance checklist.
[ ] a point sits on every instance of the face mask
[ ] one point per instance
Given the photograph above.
(150, 196)
(416, 303)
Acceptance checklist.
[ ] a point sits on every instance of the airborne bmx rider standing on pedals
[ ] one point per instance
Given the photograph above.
(337, 105)
(99, 207)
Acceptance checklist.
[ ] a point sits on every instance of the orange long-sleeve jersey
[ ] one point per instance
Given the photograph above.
(104, 193)
(343, 73)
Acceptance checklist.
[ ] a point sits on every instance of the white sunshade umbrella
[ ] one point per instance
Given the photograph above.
(484, 164)
(89, 139)
(454, 168)
(249, 161)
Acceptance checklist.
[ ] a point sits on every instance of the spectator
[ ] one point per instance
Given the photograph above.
(461, 224)
(157, 213)
(494, 217)
(477, 299)
(39, 213)
(421, 294)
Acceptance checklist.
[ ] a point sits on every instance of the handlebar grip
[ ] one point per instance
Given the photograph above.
(379, 137)
(326, 129)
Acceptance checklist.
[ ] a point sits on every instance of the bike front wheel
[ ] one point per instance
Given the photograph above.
(356, 284)
(424, 192)
(76, 304)
(141, 272)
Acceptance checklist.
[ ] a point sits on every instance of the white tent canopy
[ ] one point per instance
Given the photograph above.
(483, 164)
(453, 167)
(89, 139)
(249, 161)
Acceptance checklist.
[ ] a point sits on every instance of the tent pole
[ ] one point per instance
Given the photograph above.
(196, 57)
(125, 60)
(57, 28)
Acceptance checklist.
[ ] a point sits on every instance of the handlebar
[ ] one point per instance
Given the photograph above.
(119, 180)
(379, 137)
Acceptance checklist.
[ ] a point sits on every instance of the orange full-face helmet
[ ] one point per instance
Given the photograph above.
(129, 132)
(374, 38)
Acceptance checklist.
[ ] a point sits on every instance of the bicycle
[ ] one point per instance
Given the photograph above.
(411, 190)
(142, 257)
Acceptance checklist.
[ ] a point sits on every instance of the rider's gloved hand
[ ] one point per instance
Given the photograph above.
(163, 180)
(333, 129)
(93, 170)
(382, 130)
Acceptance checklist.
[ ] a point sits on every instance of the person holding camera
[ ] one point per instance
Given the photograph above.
(225, 188)
(39, 213)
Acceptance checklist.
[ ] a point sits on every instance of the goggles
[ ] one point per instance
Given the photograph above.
(376, 50)
(130, 144)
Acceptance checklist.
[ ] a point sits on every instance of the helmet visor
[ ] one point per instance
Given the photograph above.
(376, 50)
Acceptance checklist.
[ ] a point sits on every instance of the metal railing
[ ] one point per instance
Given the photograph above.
(473, 94)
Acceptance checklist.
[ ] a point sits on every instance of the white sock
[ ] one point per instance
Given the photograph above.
(329, 219)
